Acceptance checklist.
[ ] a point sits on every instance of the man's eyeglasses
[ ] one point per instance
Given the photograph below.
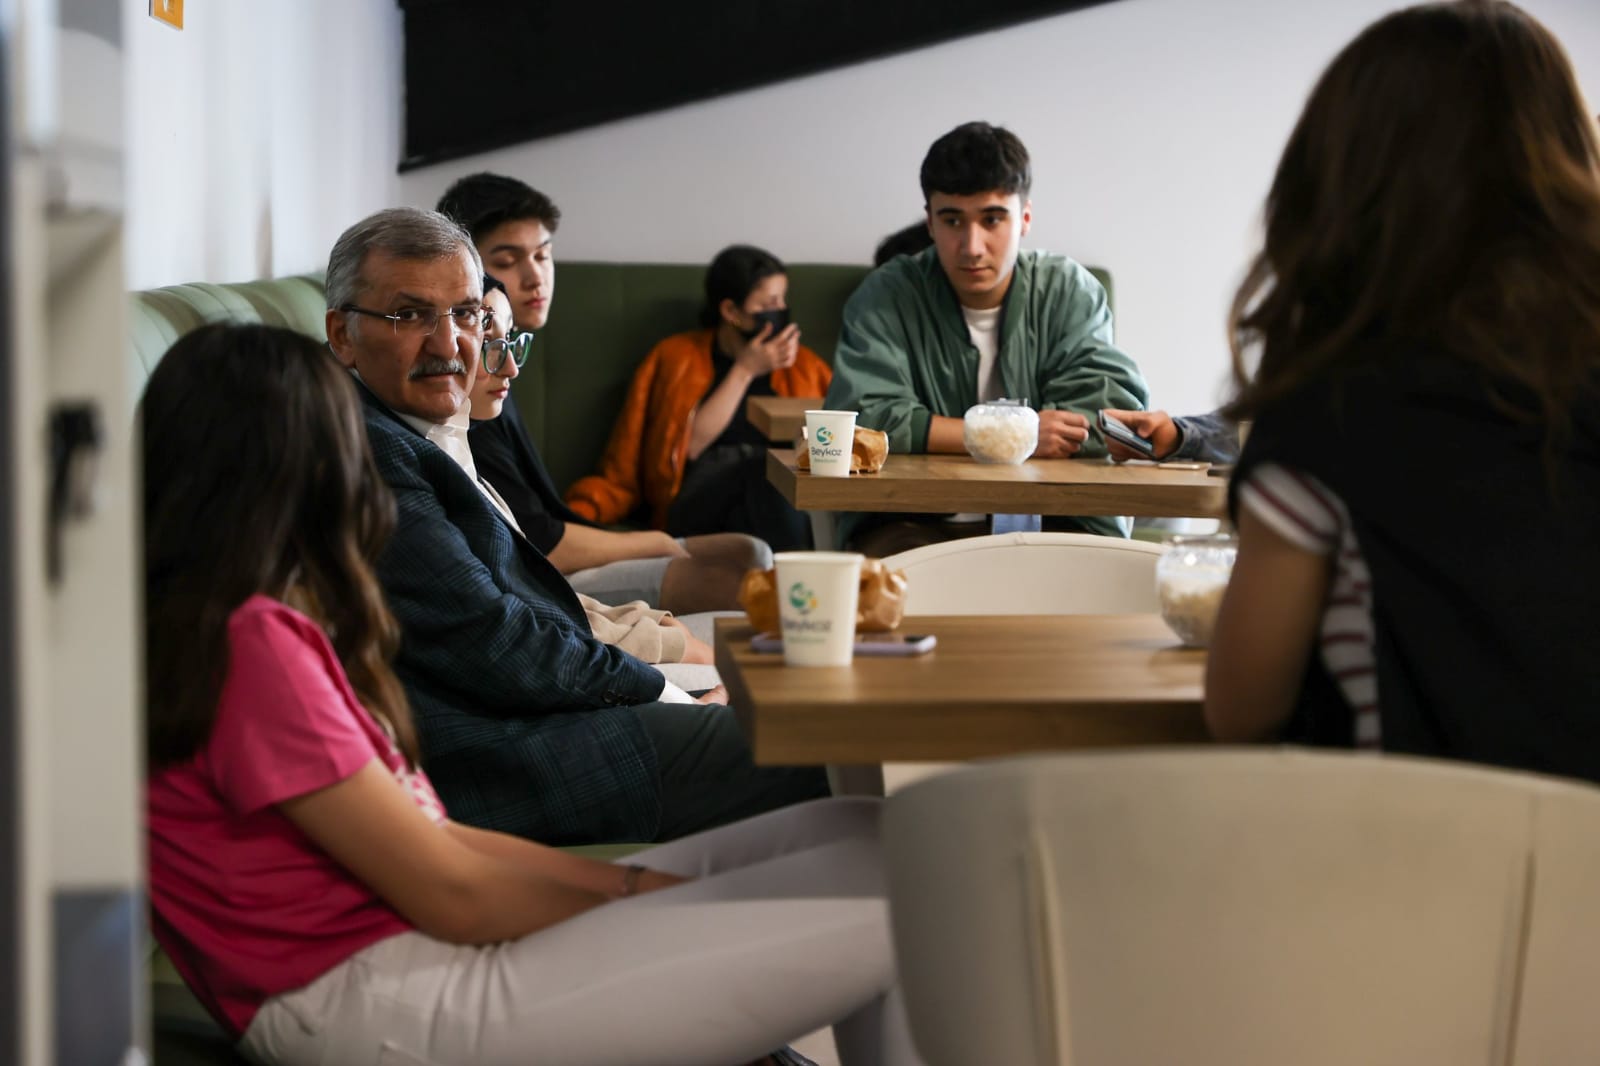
(422, 321)
(516, 347)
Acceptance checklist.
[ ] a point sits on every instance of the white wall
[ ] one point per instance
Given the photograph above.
(256, 134)
(1154, 127)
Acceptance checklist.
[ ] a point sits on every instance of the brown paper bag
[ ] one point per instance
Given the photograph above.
(881, 605)
(868, 448)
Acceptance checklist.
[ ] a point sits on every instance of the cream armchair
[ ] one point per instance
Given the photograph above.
(1246, 908)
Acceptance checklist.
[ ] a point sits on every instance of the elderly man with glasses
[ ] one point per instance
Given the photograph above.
(529, 724)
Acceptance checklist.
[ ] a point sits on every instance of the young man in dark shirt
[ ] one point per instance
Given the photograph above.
(513, 226)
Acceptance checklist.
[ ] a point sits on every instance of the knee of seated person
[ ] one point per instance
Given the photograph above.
(735, 550)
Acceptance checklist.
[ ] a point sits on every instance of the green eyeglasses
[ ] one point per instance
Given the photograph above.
(516, 347)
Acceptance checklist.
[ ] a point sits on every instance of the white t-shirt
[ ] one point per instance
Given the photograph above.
(984, 329)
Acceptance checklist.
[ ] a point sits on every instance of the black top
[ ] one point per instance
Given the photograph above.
(506, 458)
(1484, 553)
(738, 430)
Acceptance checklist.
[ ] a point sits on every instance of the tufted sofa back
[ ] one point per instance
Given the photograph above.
(606, 318)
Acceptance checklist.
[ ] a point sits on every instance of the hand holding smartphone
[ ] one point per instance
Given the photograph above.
(1116, 429)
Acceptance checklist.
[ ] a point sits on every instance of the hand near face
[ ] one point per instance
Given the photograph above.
(764, 353)
(1061, 434)
(1156, 427)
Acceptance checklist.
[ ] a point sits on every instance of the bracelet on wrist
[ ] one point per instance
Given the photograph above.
(630, 880)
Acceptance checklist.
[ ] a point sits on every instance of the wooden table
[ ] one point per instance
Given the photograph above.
(780, 418)
(994, 685)
(953, 483)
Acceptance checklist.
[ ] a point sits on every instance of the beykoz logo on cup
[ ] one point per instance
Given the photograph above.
(804, 600)
(819, 445)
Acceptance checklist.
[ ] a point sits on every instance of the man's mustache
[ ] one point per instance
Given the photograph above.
(433, 365)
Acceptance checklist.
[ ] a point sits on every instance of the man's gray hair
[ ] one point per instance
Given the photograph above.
(403, 232)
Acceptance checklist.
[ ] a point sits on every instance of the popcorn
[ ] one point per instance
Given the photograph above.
(1189, 606)
(1006, 431)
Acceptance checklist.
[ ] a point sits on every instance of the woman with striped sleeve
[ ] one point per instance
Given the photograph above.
(1419, 501)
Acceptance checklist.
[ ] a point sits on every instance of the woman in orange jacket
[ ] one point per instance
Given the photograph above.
(681, 445)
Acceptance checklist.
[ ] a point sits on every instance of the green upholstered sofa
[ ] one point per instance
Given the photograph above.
(606, 317)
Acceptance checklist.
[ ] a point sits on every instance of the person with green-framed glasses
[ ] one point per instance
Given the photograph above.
(505, 349)
(513, 227)
(641, 630)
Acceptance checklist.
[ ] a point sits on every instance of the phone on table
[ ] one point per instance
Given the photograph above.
(1117, 430)
(866, 643)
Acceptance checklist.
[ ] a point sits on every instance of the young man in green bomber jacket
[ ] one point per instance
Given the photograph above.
(974, 319)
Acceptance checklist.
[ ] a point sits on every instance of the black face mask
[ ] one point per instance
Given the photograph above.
(779, 320)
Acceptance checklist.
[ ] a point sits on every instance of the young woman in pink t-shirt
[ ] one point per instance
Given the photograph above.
(305, 878)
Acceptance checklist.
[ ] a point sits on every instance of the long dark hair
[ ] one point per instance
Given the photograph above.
(732, 275)
(258, 479)
(1442, 187)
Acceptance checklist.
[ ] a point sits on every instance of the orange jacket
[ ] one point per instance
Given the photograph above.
(649, 445)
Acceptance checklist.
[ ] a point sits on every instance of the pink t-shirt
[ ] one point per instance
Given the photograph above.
(245, 904)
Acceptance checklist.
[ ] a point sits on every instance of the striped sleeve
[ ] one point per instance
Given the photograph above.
(1297, 507)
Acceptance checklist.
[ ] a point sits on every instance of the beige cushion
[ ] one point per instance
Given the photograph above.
(1217, 908)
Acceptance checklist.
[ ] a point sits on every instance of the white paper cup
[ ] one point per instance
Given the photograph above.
(829, 435)
(817, 594)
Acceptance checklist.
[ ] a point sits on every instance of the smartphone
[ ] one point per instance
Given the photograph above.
(866, 643)
(1114, 428)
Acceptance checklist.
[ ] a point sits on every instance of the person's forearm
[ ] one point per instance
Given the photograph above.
(582, 547)
(717, 410)
(507, 900)
(430, 875)
(946, 434)
(588, 875)
(1265, 632)
(1209, 438)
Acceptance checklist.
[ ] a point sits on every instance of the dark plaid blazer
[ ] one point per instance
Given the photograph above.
(524, 717)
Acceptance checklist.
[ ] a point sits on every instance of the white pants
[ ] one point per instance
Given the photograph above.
(785, 931)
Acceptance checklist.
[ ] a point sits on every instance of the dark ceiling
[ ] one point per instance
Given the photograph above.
(483, 74)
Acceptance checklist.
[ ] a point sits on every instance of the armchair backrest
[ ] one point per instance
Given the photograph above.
(1226, 907)
(1031, 573)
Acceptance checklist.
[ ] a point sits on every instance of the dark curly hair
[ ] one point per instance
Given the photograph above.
(976, 157)
(480, 202)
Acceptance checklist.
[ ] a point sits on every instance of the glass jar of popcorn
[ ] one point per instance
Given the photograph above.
(1191, 576)
(1002, 431)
